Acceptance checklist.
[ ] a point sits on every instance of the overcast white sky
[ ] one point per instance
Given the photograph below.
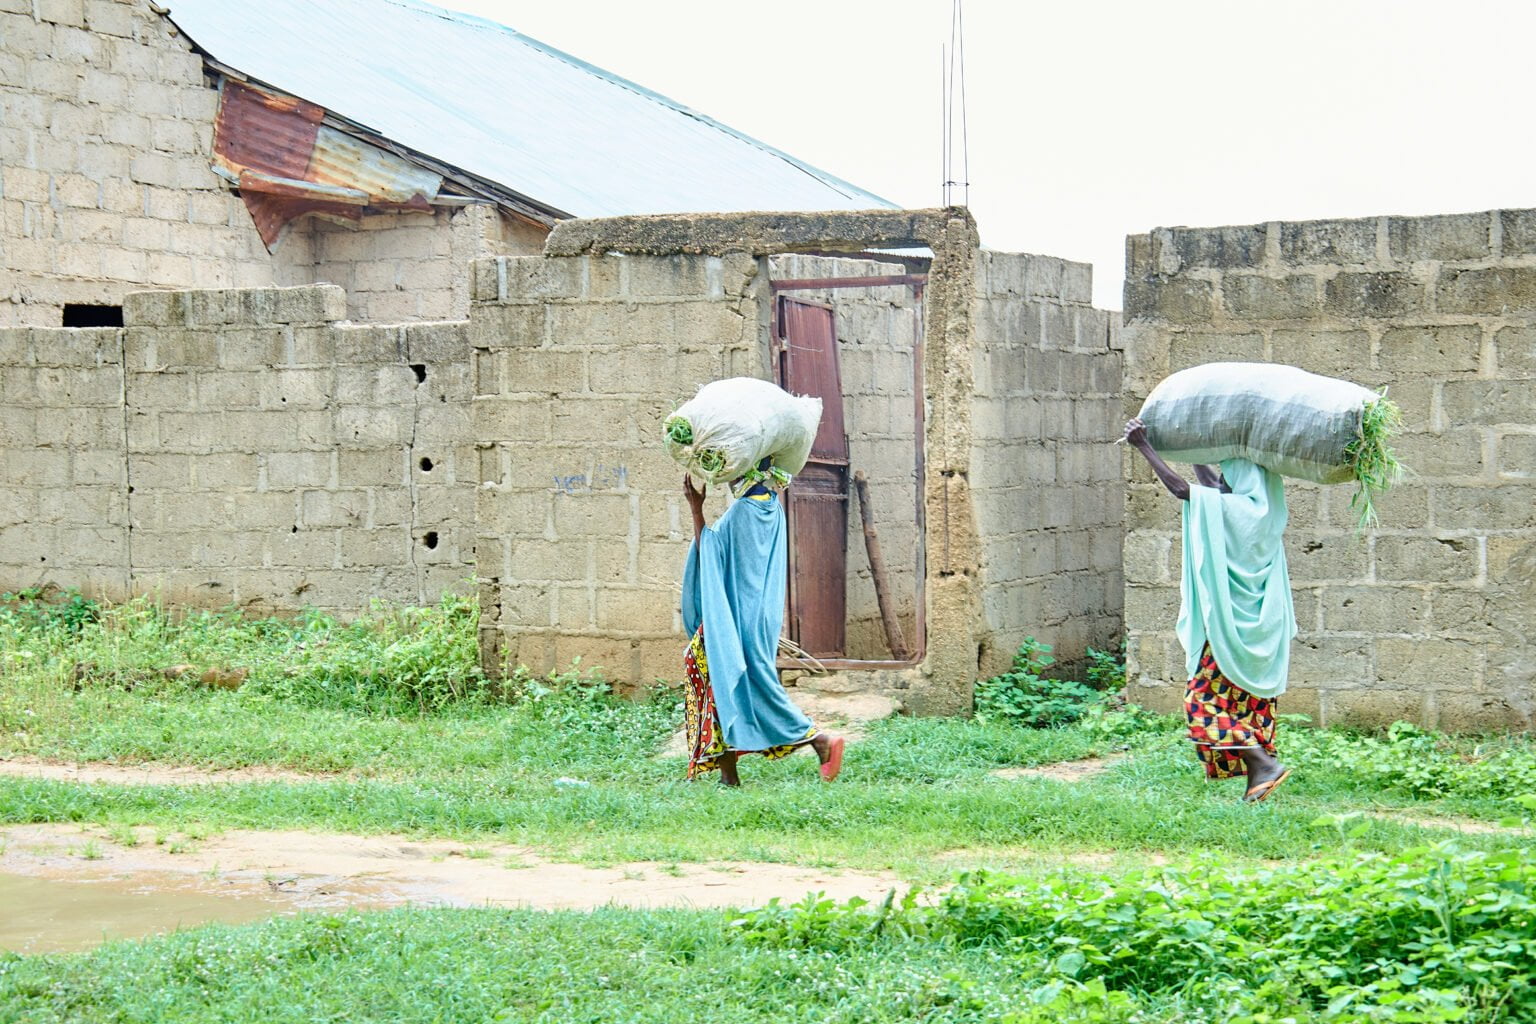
(1092, 119)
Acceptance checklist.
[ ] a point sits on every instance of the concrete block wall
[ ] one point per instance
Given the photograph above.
(240, 447)
(582, 525)
(1045, 477)
(397, 267)
(1428, 617)
(63, 474)
(877, 330)
(104, 179)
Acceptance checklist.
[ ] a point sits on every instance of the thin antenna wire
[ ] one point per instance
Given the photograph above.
(952, 60)
(965, 142)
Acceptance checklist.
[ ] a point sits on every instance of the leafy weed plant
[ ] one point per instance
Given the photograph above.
(1022, 696)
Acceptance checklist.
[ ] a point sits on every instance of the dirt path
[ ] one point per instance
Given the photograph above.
(148, 774)
(315, 870)
(1064, 771)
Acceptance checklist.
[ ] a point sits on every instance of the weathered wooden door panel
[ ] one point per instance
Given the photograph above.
(818, 498)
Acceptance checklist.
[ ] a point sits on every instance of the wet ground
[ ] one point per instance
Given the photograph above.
(50, 915)
(67, 887)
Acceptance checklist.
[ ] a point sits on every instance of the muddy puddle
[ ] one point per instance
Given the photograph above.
(66, 887)
(51, 915)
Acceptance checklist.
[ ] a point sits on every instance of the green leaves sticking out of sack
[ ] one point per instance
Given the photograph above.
(724, 431)
(1287, 420)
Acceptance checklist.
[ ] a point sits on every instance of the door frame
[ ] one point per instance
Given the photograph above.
(917, 282)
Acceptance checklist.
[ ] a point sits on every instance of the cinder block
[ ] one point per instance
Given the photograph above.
(309, 304)
(1320, 558)
(1427, 559)
(588, 514)
(1462, 236)
(549, 372)
(1497, 290)
(246, 348)
(1145, 558)
(1517, 456)
(369, 426)
(1466, 402)
(633, 609)
(520, 420)
(1515, 349)
(1374, 294)
(1455, 453)
(438, 343)
(539, 277)
(1179, 300)
(225, 471)
(1255, 297)
(1330, 662)
(498, 327)
(1404, 507)
(325, 508)
(1440, 350)
(317, 549)
(298, 469)
(1331, 353)
(548, 561)
(1421, 663)
(1465, 614)
(1328, 242)
(1518, 228)
(1509, 506)
(1374, 708)
(1192, 349)
(677, 275)
(217, 392)
(1375, 610)
(1219, 247)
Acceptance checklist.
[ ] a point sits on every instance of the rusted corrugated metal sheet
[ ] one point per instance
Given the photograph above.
(287, 164)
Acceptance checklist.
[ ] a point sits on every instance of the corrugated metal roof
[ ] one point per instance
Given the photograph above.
(490, 101)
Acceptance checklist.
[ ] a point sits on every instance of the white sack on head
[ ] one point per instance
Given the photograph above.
(1285, 419)
(734, 424)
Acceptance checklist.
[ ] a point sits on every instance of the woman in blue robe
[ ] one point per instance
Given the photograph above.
(734, 586)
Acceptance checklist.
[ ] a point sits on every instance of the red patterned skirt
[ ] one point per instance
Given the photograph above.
(706, 742)
(1225, 719)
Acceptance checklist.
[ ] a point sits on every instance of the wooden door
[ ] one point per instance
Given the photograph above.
(818, 497)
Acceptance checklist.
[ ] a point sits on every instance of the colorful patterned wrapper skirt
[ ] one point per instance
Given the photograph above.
(702, 720)
(1225, 719)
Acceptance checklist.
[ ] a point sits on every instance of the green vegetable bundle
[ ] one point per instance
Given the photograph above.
(1371, 459)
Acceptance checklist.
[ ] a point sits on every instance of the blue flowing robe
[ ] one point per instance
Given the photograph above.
(734, 584)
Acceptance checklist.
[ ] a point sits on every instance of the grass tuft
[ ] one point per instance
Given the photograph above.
(1371, 458)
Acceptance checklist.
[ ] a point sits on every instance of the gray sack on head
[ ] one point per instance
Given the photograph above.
(1287, 420)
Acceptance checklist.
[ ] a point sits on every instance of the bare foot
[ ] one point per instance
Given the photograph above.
(728, 776)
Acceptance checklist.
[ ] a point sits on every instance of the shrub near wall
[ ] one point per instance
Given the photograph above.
(1429, 616)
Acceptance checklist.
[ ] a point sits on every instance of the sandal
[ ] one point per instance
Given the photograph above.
(834, 762)
(1263, 789)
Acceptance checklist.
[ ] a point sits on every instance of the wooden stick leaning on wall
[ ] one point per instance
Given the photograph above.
(893, 635)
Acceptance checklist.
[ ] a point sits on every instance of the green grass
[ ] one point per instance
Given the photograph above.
(1432, 934)
(486, 965)
(917, 796)
(409, 737)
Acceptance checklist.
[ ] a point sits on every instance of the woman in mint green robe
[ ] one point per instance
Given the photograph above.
(1236, 618)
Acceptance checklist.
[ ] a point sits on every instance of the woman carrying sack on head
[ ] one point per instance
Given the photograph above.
(1236, 617)
(733, 607)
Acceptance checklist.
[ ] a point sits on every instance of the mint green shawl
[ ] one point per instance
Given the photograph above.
(1236, 589)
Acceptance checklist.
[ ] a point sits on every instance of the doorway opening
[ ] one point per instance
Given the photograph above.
(850, 332)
